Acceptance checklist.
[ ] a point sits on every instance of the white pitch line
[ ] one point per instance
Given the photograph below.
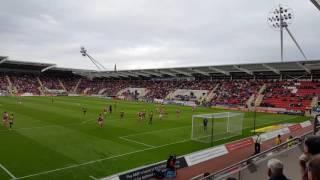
(85, 121)
(7, 171)
(92, 177)
(99, 160)
(137, 142)
(149, 132)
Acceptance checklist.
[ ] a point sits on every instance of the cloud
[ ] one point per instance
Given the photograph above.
(148, 34)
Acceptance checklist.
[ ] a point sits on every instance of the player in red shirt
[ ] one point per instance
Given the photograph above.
(193, 108)
(5, 119)
(100, 120)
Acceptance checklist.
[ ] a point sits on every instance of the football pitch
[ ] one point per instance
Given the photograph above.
(54, 140)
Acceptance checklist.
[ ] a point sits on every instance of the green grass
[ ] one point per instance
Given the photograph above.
(55, 141)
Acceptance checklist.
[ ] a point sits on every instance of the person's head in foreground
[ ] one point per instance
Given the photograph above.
(275, 170)
(231, 178)
(303, 161)
(314, 168)
(312, 145)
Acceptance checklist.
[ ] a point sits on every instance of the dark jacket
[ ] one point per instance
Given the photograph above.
(278, 177)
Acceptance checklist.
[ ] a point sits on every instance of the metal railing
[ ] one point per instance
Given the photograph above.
(244, 164)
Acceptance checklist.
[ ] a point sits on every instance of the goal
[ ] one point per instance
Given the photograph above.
(213, 127)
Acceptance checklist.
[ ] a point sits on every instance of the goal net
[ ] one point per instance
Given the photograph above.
(213, 127)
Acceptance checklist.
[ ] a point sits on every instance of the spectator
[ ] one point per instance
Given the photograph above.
(312, 146)
(231, 178)
(206, 175)
(314, 168)
(303, 160)
(257, 144)
(316, 124)
(171, 168)
(278, 139)
(275, 170)
(289, 141)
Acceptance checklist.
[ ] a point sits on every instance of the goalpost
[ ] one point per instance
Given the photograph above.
(216, 126)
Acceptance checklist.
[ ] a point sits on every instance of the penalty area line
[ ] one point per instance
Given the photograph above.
(7, 171)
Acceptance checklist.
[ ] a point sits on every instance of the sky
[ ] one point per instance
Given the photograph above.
(137, 34)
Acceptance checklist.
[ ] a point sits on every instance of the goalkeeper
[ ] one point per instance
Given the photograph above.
(205, 124)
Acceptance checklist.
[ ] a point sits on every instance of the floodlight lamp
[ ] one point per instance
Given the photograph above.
(282, 15)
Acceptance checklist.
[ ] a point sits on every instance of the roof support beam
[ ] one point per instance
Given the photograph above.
(116, 75)
(181, 72)
(200, 72)
(112, 74)
(220, 71)
(243, 69)
(167, 72)
(140, 73)
(49, 67)
(316, 3)
(101, 75)
(153, 73)
(271, 68)
(304, 67)
(127, 73)
(4, 59)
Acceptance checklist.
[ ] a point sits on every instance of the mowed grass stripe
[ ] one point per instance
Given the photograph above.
(22, 155)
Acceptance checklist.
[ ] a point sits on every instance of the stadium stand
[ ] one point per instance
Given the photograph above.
(235, 92)
(156, 90)
(271, 86)
(3, 83)
(292, 95)
(24, 83)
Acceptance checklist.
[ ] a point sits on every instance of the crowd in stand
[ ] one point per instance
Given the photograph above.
(295, 95)
(129, 95)
(235, 92)
(50, 83)
(3, 83)
(160, 89)
(70, 83)
(25, 83)
(156, 89)
(190, 97)
(290, 94)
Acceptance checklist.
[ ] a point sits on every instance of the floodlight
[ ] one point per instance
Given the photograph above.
(280, 18)
(83, 52)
